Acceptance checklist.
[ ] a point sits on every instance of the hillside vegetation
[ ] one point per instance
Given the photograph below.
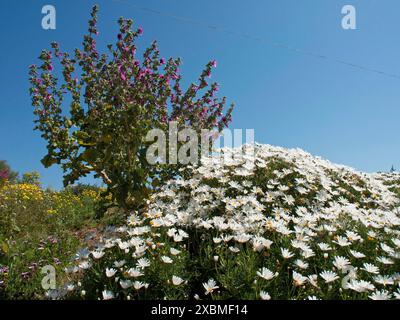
(272, 224)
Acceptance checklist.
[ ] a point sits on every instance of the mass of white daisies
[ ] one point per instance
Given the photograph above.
(262, 222)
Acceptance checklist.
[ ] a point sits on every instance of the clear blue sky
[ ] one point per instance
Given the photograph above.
(346, 115)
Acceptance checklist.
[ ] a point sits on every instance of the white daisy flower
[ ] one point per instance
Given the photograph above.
(357, 255)
(324, 246)
(387, 248)
(243, 238)
(329, 276)
(301, 264)
(360, 285)
(265, 295)
(341, 263)
(139, 285)
(85, 264)
(176, 281)
(385, 260)
(125, 284)
(384, 280)
(119, 264)
(312, 279)
(298, 279)
(166, 259)
(353, 236)
(134, 273)
(266, 274)
(174, 251)
(97, 254)
(107, 295)
(396, 242)
(143, 263)
(210, 286)
(110, 272)
(381, 295)
(342, 241)
(370, 268)
(286, 254)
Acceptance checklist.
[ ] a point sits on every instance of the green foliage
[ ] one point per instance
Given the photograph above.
(116, 100)
(82, 188)
(37, 228)
(6, 173)
(31, 178)
(25, 257)
(284, 225)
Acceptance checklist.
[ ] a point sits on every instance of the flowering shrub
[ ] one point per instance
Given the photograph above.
(31, 178)
(14, 199)
(6, 174)
(3, 177)
(276, 224)
(18, 202)
(116, 100)
(38, 228)
(23, 259)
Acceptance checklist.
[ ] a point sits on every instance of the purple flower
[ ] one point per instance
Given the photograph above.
(140, 30)
(214, 63)
(4, 175)
(162, 60)
(4, 270)
(52, 239)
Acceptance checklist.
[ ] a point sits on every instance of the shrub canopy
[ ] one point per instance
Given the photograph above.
(114, 100)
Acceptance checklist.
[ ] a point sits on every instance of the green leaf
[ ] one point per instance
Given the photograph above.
(83, 139)
(48, 161)
(106, 139)
(89, 155)
(4, 247)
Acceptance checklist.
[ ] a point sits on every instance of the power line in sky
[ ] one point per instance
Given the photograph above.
(259, 39)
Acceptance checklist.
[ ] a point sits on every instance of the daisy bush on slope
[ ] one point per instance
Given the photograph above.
(273, 224)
